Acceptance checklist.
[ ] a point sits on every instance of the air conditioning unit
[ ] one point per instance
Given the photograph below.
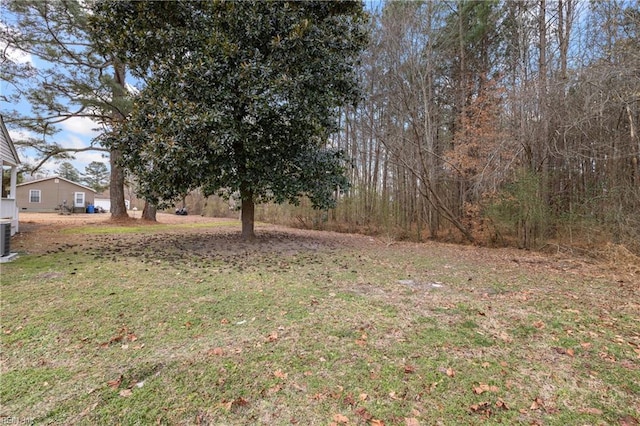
(5, 238)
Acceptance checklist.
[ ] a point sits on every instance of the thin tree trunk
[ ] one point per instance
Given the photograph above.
(247, 214)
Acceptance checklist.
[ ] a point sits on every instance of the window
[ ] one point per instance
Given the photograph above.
(6, 181)
(79, 199)
(34, 195)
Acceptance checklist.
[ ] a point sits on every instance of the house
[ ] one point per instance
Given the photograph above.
(9, 159)
(54, 194)
(103, 199)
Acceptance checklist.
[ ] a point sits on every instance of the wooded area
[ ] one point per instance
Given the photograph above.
(497, 122)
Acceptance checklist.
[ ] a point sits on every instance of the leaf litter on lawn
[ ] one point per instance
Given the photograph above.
(322, 316)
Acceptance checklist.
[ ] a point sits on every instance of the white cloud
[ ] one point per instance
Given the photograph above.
(84, 158)
(13, 54)
(20, 135)
(70, 140)
(81, 126)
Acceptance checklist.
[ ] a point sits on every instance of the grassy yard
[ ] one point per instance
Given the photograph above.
(186, 324)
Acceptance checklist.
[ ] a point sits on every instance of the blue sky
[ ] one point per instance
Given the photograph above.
(74, 132)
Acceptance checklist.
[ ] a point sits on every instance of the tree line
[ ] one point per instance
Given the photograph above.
(506, 122)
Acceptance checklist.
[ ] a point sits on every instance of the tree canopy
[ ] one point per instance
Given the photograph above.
(239, 96)
(96, 176)
(67, 171)
(71, 80)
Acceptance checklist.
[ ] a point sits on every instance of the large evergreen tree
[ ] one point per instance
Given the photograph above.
(96, 176)
(67, 171)
(71, 80)
(239, 97)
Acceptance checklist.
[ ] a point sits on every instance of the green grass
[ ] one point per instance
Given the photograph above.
(125, 328)
(145, 228)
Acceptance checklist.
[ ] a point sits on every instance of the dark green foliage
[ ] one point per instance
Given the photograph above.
(96, 176)
(67, 171)
(239, 96)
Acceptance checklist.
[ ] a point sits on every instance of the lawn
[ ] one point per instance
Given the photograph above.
(186, 324)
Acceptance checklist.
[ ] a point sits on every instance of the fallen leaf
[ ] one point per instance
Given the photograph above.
(216, 351)
(501, 404)
(361, 342)
(239, 402)
(375, 422)
(115, 383)
(585, 345)
(450, 372)
(561, 351)
(340, 419)
(539, 325)
(298, 387)
(629, 421)
(363, 397)
(274, 389)
(590, 410)
(363, 414)
(132, 337)
(570, 352)
(224, 321)
(537, 404)
(408, 369)
(116, 339)
(272, 337)
(412, 421)
(482, 407)
(280, 374)
(126, 392)
(483, 387)
(505, 337)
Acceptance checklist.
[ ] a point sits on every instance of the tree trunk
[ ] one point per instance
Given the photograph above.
(149, 212)
(248, 213)
(116, 186)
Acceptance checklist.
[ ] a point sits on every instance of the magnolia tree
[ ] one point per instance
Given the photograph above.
(239, 97)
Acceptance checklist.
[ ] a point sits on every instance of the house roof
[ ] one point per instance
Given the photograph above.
(5, 134)
(57, 177)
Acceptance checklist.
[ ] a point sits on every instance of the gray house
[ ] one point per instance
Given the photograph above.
(54, 194)
(9, 159)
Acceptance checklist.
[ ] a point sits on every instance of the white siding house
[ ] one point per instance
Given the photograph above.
(10, 161)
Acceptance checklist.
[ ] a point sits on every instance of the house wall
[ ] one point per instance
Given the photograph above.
(9, 161)
(52, 194)
(5, 151)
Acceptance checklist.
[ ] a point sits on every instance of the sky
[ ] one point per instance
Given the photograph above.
(75, 132)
